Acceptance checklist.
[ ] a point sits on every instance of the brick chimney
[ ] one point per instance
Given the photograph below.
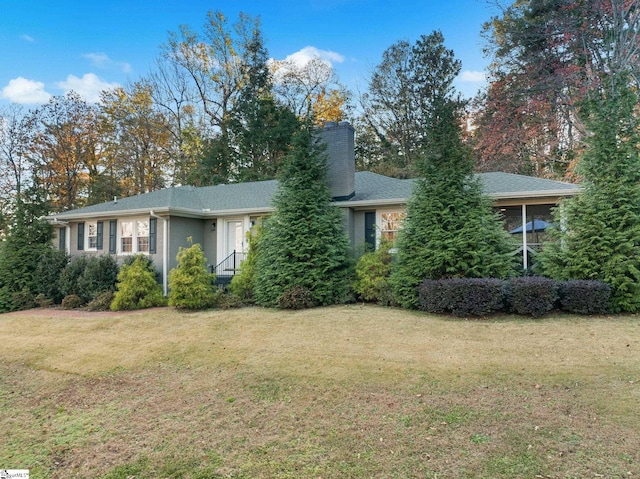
(341, 163)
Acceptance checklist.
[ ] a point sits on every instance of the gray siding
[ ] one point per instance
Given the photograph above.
(210, 241)
(180, 229)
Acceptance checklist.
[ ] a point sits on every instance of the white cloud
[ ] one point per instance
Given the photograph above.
(28, 38)
(471, 76)
(26, 92)
(88, 87)
(304, 56)
(102, 60)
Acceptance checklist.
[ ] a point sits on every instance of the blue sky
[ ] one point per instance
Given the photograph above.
(50, 47)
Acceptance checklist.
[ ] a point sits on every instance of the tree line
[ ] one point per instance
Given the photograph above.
(215, 108)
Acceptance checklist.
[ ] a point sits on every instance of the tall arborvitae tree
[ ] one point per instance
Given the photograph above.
(450, 230)
(600, 234)
(27, 240)
(303, 243)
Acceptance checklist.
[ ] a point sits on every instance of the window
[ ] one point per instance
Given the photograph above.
(92, 235)
(142, 235)
(390, 223)
(134, 236)
(126, 236)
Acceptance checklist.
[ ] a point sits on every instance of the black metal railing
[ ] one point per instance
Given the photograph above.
(226, 268)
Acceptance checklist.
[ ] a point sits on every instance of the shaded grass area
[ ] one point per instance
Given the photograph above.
(353, 391)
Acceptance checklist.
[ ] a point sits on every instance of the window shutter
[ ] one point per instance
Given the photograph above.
(370, 229)
(153, 228)
(100, 230)
(113, 225)
(62, 239)
(80, 236)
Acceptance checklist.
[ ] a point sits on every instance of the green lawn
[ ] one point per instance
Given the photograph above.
(344, 392)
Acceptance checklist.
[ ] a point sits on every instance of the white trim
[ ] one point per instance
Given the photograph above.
(134, 235)
(378, 223)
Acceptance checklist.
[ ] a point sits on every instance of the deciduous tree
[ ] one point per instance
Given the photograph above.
(64, 151)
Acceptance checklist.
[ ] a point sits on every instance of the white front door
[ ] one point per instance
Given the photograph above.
(235, 236)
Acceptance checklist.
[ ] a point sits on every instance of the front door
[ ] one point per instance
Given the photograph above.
(235, 237)
(235, 245)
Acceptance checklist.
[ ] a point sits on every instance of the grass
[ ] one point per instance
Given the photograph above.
(345, 392)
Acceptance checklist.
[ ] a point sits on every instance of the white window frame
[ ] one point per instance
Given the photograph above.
(88, 236)
(136, 236)
(382, 224)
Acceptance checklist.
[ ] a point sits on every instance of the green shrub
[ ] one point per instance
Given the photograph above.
(532, 295)
(137, 287)
(462, 296)
(72, 301)
(242, 284)
(100, 274)
(102, 302)
(585, 296)
(296, 297)
(190, 283)
(70, 276)
(88, 276)
(48, 272)
(372, 275)
(42, 301)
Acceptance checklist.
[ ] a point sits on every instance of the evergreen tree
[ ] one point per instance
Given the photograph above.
(190, 283)
(137, 287)
(260, 128)
(303, 244)
(600, 234)
(450, 230)
(26, 242)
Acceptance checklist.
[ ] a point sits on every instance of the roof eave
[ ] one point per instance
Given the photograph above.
(509, 195)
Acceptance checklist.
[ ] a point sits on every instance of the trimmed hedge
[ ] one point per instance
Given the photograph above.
(585, 296)
(529, 296)
(462, 296)
(532, 295)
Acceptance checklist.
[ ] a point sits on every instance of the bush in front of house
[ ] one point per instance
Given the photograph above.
(372, 276)
(89, 276)
(532, 295)
(72, 301)
(190, 284)
(102, 302)
(462, 296)
(48, 272)
(100, 274)
(137, 287)
(242, 284)
(296, 297)
(70, 276)
(585, 296)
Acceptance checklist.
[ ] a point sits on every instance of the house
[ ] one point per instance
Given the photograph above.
(219, 217)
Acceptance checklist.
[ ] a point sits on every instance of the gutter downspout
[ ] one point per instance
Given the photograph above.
(165, 251)
(525, 255)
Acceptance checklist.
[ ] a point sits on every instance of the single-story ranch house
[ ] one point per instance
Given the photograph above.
(219, 217)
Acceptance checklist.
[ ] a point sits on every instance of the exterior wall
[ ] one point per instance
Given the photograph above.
(179, 230)
(348, 225)
(357, 236)
(210, 241)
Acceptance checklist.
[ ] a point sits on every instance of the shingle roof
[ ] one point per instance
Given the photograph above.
(256, 196)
